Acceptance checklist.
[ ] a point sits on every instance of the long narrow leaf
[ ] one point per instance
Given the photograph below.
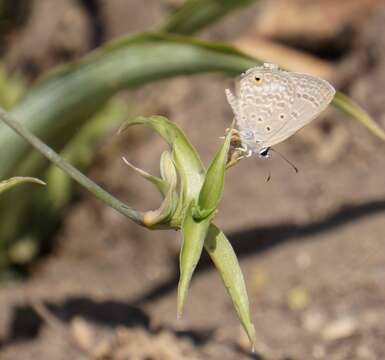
(225, 260)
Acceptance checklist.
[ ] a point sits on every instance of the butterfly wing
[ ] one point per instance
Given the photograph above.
(264, 102)
(312, 96)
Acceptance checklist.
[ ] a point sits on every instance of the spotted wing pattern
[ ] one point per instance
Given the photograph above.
(271, 104)
(312, 96)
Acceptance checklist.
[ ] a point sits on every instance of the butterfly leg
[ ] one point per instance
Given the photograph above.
(244, 150)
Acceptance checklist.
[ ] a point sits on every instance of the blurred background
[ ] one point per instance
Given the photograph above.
(310, 244)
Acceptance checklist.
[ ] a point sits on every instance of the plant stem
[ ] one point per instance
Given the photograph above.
(70, 170)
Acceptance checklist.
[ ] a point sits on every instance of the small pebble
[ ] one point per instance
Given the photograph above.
(340, 329)
(82, 333)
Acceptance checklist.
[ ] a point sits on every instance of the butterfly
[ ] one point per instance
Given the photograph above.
(271, 104)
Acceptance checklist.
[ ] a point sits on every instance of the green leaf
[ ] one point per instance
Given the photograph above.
(212, 189)
(193, 237)
(10, 183)
(222, 254)
(349, 107)
(193, 15)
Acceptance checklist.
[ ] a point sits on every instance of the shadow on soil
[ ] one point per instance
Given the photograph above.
(26, 323)
(261, 239)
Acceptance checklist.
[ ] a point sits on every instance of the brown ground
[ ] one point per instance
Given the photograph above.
(310, 245)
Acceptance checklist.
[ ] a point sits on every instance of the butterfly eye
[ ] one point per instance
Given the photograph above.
(258, 80)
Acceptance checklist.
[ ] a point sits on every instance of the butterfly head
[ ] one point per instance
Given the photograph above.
(250, 142)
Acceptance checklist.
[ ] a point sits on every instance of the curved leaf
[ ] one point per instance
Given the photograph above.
(186, 159)
(10, 183)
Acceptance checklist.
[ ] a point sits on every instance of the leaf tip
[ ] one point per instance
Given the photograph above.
(180, 301)
(253, 338)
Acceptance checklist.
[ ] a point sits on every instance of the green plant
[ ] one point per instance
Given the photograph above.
(191, 193)
(190, 210)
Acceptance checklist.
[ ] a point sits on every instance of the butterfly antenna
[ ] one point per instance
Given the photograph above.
(286, 159)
